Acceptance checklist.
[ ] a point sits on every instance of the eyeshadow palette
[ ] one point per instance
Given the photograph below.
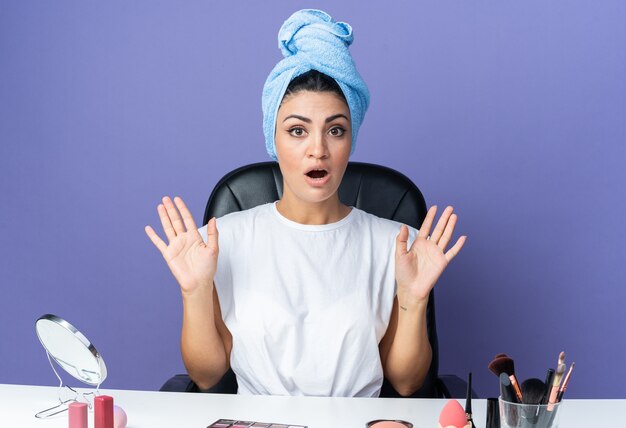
(231, 423)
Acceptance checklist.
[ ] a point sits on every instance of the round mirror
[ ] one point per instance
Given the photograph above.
(71, 349)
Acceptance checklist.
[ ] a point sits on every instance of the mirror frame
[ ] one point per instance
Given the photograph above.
(80, 337)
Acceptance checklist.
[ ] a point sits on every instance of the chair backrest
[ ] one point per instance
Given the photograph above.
(375, 189)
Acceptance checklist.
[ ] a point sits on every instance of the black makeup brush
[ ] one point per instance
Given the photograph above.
(548, 386)
(533, 391)
(468, 402)
(506, 389)
(508, 395)
(493, 413)
(506, 365)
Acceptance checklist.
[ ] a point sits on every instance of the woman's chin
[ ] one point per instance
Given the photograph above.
(316, 195)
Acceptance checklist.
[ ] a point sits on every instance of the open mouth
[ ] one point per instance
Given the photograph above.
(317, 173)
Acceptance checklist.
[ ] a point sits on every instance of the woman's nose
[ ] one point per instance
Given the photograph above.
(318, 147)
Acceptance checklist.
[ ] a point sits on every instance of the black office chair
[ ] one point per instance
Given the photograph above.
(375, 189)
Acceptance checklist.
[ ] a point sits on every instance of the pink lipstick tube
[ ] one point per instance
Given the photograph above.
(77, 415)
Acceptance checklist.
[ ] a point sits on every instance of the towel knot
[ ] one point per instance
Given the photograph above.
(311, 25)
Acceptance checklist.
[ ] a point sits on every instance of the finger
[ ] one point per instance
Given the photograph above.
(441, 224)
(172, 212)
(158, 242)
(447, 233)
(452, 252)
(166, 223)
(427, 223)
(211, 234)
(401, 241)
(190, 224)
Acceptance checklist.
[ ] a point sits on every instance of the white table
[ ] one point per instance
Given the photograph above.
(19, 403)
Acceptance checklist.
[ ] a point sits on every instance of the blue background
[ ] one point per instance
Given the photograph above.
(514, 112)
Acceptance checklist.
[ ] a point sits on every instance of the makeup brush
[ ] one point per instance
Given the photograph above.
(560, 370)
(533, 390)
(507, 365)
(508, 395)
(506, 389)
(468, 402)
(559, 396)
(561, 359)
(493, 413)
(551, 413)
(548, 386)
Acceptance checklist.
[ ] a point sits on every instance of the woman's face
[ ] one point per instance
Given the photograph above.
(313, 141)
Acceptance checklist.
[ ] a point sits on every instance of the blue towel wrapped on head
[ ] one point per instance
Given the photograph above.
(310, 40)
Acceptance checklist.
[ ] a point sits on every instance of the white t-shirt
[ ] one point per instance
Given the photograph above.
(307, 305)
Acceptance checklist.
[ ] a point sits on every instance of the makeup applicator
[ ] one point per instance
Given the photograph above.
(548, 386)
(508, 395)
(506, 389)
(563, 388)
(556, 383)
(493, 413)
(533, 390)
(453, 416)
(505, 364)
(468, 402)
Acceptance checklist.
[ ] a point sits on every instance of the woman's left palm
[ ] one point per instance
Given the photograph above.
(418, 268)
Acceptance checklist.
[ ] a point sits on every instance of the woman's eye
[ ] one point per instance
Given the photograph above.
(337, 131)
(296, 132)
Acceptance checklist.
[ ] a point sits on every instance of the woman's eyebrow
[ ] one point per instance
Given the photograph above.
(336, 116)
(307, 120)
(295, 116)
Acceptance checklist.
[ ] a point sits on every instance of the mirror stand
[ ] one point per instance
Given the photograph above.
(75, 354)
(87, 397)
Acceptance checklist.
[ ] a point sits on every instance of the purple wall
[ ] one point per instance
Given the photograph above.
(514, 112)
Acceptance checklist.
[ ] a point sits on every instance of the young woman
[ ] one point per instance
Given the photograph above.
(307, 296)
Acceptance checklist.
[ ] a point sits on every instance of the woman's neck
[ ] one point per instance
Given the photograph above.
(303, 212)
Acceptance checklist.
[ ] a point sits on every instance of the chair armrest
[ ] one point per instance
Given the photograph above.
(179, 383)
(449, 386)
(452, 386)
(183, 383)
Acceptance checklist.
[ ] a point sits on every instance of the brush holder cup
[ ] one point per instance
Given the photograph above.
(513, 415)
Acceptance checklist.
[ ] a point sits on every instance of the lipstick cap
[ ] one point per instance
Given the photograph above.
(77, 415)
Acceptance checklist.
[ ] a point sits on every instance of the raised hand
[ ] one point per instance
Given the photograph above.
(192, 262)
(419, 267)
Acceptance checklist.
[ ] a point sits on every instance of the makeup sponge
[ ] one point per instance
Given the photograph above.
(119, 417)
(453, 416)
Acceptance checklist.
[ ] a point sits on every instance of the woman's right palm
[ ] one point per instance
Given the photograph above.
(192, 261)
